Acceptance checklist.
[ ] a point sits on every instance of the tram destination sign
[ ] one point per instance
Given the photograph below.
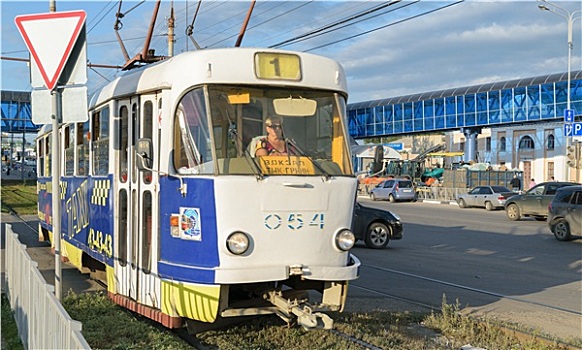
(573, 129)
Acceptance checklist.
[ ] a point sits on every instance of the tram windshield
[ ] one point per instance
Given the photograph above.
(238, 130)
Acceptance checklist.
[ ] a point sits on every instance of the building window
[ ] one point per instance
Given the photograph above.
(550, 171)
(551, 141)
(526, 142)
(488, 144)
(502, 144)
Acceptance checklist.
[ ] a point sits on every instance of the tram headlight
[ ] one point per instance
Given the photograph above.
(345, 240)
(237, 243)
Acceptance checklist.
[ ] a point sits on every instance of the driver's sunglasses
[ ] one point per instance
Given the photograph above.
(274, 126)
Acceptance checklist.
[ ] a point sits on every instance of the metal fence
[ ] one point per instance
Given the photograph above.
(439, 193)
(42, 321)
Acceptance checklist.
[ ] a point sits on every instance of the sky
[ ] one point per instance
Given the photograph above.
(387, 50)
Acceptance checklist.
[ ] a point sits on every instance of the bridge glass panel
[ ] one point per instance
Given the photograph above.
(576, 96)
(429, 114)
(460, 111)
(481, 100)
(418, 116)
(519, 98)
(451, 112)
(533, 102)
(561, 98)
(388, 119)
(548, 101)
(362, 121)
(469, 109)
(493, 106)
(407, 117)
(369, 121)
(439, 113)
(352, 126)
(398, 124)
(506, 105)
(379, 120)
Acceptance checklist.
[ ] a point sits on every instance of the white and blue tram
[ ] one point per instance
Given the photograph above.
(163, 196)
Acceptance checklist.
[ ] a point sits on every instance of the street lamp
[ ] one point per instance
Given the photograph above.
(570, 17)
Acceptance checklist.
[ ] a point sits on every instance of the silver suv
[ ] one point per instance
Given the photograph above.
(565, 213)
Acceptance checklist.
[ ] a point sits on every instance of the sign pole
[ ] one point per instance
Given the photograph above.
(56, 200)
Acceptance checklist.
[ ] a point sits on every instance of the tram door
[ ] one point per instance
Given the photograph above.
(137, 209)
(145, 207)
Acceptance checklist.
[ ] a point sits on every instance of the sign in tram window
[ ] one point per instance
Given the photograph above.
(277, 66)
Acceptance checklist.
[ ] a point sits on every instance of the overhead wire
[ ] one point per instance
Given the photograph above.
(384, 26)
(341, 21)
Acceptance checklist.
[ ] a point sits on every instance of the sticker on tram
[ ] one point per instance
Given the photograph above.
(190, 224)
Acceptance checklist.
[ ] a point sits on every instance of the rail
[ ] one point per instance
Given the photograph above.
(42, 321)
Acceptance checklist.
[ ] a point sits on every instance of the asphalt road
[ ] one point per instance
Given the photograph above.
(511, 271)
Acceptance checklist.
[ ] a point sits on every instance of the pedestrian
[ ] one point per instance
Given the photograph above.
(515, 183)
(532, 183)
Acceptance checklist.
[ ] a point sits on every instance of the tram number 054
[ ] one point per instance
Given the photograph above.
(294, 221)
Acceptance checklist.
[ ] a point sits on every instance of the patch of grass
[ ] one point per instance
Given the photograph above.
(19, 197)
(9, 328)
(107, 325)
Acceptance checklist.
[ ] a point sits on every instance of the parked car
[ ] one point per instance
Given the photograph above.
(376, 227)
(534, 202)
(489, 197)
(394, 190)
(565, 213)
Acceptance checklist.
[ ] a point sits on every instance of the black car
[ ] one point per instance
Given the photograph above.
(565, 213)
(534, 202)
(376, 227)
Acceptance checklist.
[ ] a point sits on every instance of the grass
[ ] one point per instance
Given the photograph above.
(10, 337)
(19, 196)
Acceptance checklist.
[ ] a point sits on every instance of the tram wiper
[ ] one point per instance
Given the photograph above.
(233, 134)
(303, 154)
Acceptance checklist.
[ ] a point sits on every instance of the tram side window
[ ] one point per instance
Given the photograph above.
(100, 138)
(41, 156)
(192, 146)
(69, 145)
(148, 115)
(47, 150)
(82, 148)
(123, 147)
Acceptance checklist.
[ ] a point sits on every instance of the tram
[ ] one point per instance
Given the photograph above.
(163, 197)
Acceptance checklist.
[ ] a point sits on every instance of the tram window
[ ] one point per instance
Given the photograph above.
(69, 145)
(148, 112)
(48, 163)
(134, 135)
(123, 140)
(192, 145)
(42, 156)
(100, 138)
(82, 148)
(146, 229)
(122, 242)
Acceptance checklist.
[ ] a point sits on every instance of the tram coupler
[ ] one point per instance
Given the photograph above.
(299, 308)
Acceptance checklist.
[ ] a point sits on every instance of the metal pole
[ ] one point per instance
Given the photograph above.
(56, 200)
(56, 173)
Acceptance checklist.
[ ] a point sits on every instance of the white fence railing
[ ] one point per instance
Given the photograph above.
(42, 321)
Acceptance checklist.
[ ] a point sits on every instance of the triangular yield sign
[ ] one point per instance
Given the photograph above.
(50, 38)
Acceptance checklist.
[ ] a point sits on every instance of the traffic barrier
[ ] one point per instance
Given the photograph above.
(42, 321)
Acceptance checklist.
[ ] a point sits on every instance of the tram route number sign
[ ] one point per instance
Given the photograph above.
(573, 129)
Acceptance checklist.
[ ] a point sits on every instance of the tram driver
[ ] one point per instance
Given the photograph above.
(274, 144)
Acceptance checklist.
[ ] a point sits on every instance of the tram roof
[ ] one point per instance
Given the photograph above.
(552, 78)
